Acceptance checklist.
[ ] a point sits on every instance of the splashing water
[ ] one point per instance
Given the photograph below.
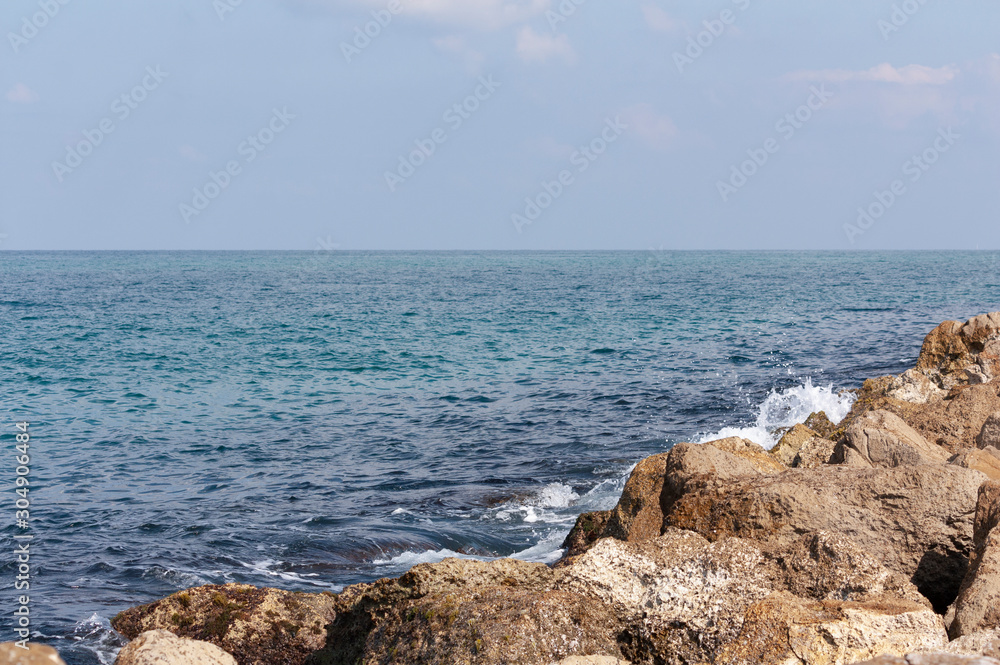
(785, 408)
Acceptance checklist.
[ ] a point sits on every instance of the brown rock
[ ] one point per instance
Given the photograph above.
(956, 421)
(932, 658)
(586, 531)
(956, 353)
(791, 443)
(792, 631)
(989, 434)
(978, 605)
(881, 439)
(815, 452)
(749, 451)
(361, 608)
(682, 598)
(161, 647)
(986, 461)
(493, 626)
(254, 625)
(638, 515)
(979, 643)
(35, 654)
(917, 519)
(820, 423)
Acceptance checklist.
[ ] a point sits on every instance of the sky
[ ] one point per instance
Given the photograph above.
(499, 124)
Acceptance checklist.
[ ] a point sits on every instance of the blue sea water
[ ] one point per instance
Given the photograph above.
(310, 420)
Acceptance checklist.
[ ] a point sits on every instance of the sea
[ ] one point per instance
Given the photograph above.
(316, 419)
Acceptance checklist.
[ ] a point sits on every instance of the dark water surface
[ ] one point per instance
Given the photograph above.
(312, 420)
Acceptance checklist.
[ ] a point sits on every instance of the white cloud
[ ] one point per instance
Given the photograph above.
(22, 94)
(884, 73)
(482, 14)
(533, 47)
(657, 19)
(657, 130)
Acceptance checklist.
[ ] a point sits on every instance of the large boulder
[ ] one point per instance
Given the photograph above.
(161, 647)
(683, 598)
(815, 452)
(930, 658)
(917, 519)
(253, 624)
(955, 353)
(989, 433)
(979, 643)
(35, 654)
(493, 626)
(588, 528)
(656, 480)
(978, 605)
(791, 443)
(956, 421)
(786, 630)
(986, 461)
(882, 439)
(362, 608)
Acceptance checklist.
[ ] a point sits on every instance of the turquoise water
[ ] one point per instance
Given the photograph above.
(316, 419)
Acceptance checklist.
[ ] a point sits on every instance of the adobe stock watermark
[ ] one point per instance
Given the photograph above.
(914, 169)
(900, 16)
(31, 25)
(703, 40)
(224, 7)
(581, 158)
(455, 116)
(381, 18)
(122, 108)
(786, 127)
(562, 13)
(219, 181)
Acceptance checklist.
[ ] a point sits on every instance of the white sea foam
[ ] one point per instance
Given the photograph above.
(268, 567)
(785, 408)
(407, 560)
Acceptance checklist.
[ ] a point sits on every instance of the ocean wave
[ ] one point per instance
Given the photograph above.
(785, 408)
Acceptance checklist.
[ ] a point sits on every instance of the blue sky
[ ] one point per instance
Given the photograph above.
(499, 124)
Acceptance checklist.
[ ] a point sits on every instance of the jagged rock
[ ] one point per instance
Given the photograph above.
(749, 451)
(955, 353)
(989, 434)
(881, 439)
(791, 443)
(161, 647)
(361, 608)
(831, 566)
(933, 658)
(792, 631)
(592, 660)
(913, 386)
(491, 626)
(639, 513)
(586, 531)
(978, 604)
(683, 598)
(252, 624)
(956, 421)
(986, 461)
(820, 423)
(917, 519)
(979, 643)
(814, 452)
(35, 654)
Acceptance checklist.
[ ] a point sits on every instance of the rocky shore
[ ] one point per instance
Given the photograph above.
(870, 540)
